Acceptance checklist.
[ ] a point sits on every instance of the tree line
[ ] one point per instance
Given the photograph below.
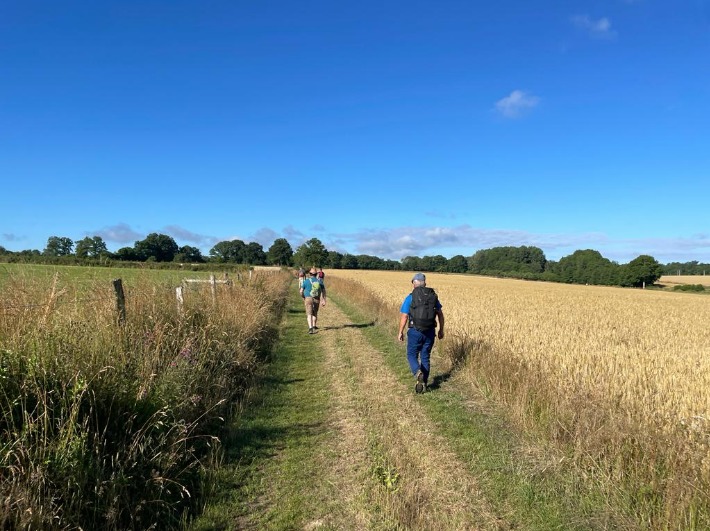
(524, 262)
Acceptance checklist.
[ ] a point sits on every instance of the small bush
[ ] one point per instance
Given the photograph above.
(689, 287)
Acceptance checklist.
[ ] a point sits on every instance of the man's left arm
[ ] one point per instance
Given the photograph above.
(440, 315)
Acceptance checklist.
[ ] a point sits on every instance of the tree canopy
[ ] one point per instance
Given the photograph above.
(311, 253)
(58, 246)
(157, 247)
(280, 253)
(91, 247)
(643, 270)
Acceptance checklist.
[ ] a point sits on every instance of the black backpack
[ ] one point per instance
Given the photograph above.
(422, 312)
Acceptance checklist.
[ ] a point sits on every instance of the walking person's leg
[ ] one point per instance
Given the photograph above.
(314, 313)
(425, 355)
(415, 342)
(309, 313)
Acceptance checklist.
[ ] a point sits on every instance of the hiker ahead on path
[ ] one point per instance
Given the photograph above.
(313, 293)
(419, 311)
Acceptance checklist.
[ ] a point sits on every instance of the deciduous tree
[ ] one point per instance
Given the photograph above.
(58, 246)
(91, 247)
(190, 255)
(159, 247)
(254, 254)
(229, 251)
(311, 253)
(643, 270)
(280, 253)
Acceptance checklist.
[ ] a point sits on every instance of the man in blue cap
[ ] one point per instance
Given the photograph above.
(420, 311)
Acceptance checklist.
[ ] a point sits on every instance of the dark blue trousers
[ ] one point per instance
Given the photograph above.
(419, 345)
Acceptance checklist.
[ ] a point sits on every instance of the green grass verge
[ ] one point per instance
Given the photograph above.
(269, 478)
(526, 498)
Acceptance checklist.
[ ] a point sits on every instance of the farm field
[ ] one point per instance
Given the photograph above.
(610, 367)
(647, 350)
(108, 418)
(551, 404)
(677, 280)
(40, 273)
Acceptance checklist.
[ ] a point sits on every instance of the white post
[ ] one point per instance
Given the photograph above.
(179, 298)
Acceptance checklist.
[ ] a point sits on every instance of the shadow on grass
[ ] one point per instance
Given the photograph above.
(438, 380)
(352, 325)
(274, 381)
(262, 442)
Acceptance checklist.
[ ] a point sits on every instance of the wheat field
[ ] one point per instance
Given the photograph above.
(640, 356)
(677, 280)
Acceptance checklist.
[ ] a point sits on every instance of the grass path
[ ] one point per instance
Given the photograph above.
(333, 437)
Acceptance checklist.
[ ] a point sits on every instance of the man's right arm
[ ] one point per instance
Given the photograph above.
(403, 320)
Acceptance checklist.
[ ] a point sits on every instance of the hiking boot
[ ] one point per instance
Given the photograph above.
(420, 386)
(310, 331)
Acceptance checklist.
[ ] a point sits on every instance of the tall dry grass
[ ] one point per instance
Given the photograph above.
(617, 378)
(110, 425)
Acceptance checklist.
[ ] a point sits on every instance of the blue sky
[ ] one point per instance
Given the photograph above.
(386, 128)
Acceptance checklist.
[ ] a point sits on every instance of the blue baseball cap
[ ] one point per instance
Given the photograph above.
(420, 277)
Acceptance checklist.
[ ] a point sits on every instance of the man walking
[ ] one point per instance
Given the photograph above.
(419, 311)
(313, 292)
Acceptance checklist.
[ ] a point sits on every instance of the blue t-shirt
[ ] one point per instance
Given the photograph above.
(307, 283)
(408, 302)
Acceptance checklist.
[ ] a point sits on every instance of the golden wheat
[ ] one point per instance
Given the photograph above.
(673, 280)
(647, 351)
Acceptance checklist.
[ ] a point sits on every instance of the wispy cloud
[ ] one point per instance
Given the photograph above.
(264, 236)
(10, 237)
(403, 241)
(515, 104)
(439, 215)
(184, 235)
(665, 250)
(397, 243)
(598, 28)
(119, 233)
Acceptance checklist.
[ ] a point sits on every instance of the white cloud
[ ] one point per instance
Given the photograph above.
(398, 242)
(600, 28)
(516, 103)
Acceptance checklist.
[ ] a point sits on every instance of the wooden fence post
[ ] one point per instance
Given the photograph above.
(213, 286)
(120, 300)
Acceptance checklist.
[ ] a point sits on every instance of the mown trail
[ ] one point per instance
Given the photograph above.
(416, 481)
(333, 439)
